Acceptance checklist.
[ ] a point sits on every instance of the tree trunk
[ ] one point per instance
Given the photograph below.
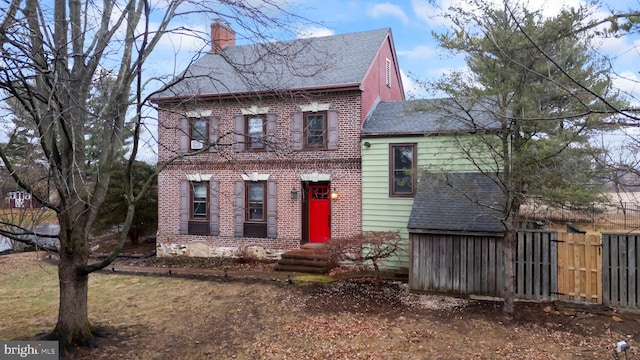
(73, 327)
(509, 274)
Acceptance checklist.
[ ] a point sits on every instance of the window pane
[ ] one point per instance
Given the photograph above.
(199, 200)
(255, 202)
(403, 157)
(402, 171)
(255, 131)
(315, 130)
(199, 130)
(402, 183)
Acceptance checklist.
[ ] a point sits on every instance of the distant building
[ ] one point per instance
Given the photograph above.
(21, 199)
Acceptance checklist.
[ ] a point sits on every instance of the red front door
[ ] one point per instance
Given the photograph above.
(319, 213)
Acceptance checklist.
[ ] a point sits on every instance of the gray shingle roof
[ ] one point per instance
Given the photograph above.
(298, 64)
(457, 202)
(427, 116)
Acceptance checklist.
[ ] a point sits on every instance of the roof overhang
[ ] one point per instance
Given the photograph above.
(455, 232)
(253, 94)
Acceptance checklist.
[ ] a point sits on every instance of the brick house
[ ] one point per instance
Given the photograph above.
(266, 141)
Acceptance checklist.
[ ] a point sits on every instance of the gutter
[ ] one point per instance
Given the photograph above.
(263, 93)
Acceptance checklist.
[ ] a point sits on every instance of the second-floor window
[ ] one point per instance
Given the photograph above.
(198, 133)
(315, 130)
(256, 132)
(402, 168)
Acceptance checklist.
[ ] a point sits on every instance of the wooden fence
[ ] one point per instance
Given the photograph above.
(620, 266)
(571, 267)
(462, 264)
(536, 265)
(579, 268)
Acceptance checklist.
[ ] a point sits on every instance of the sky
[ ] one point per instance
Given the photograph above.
(413, 21)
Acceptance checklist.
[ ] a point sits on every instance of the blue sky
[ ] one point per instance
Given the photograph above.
(412, 22)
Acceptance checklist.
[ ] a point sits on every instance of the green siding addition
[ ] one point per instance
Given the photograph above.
(380, 212)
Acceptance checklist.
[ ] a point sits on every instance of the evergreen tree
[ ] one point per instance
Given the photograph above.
(549, 93)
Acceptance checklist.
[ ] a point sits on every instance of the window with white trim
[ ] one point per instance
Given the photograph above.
(198, 133)
(256, 132)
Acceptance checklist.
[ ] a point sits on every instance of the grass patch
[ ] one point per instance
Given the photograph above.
(323, 279)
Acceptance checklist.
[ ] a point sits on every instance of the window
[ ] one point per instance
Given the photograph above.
(256, 129)
(256, 211)
(199, 205)
(402, 169)
(387, 74)
(255, 207)
(198, 133)
(199, 196)
(315, 130)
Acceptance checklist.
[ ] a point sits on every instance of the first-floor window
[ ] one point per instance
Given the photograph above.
(199, 196)
(255, 208)
(402, 169)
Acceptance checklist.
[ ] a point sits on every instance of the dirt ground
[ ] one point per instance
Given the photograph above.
(161, 317)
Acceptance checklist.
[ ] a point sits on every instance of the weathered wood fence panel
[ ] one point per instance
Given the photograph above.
(536, 265)
(579, 268)
(620, 264)
(474, 265)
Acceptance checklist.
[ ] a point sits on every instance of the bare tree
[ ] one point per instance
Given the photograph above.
(50, 54)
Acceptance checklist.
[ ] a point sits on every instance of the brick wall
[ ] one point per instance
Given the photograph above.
(283, 165)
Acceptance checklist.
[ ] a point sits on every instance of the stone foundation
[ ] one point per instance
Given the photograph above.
(202, 249)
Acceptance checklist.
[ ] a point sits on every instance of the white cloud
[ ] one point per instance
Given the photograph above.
(420, 52)
(432, 12)
(629, 84)
(412, 89)
(310, 32)
(388, 9)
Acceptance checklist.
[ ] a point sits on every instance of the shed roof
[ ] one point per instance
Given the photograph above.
(322, 62)
(426, 116)
(457, 202)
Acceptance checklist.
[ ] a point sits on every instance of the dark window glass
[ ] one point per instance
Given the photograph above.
(255, 133)
(315, 130)
(255, 201)
(198, 133)
(402, 170)
(199, 194)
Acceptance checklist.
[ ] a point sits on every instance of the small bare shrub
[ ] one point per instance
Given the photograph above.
(371, 246)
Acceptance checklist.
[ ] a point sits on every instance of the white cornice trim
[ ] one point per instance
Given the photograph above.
(315, 177)
(315, 107)
(255, 177)
(255, 110)
(199, 177)
(198, 113)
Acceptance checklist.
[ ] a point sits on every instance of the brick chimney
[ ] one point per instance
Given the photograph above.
(222, 36)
